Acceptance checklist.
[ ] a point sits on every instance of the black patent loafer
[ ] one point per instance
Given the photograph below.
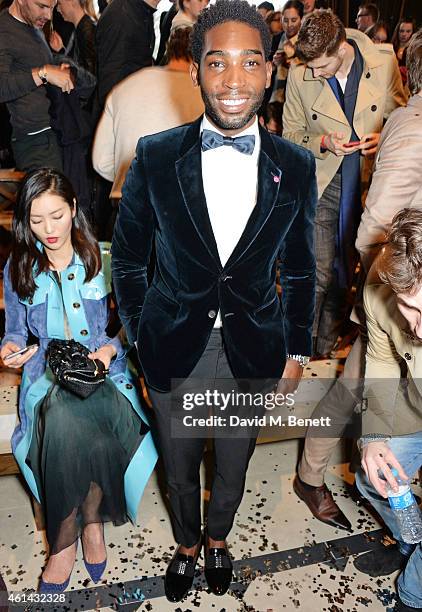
(179, 575)
(218, 569)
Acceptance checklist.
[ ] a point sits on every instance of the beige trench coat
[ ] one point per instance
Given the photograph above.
(311, 109)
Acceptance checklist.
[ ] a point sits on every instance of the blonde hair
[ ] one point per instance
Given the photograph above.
(88, 7)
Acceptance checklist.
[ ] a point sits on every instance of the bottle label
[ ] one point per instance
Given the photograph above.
(402, 499)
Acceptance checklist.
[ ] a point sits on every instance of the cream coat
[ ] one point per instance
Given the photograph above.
(311, 109)
(397, 178)
(391, 408)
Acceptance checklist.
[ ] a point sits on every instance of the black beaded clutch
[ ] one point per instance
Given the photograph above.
(73, 369)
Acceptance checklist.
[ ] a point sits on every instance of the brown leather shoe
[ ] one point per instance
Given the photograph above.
(322, 505)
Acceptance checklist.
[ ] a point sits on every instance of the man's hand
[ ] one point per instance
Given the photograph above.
(105, 354)
(60, 77)
(376, 456)
(290, 379)
(334, 142)
(369, 144)
(56, 42)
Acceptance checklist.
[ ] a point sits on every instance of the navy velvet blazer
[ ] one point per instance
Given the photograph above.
(164, 204)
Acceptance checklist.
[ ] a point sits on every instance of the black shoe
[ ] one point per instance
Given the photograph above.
(381, 562)
(218, 569)
(179, 575)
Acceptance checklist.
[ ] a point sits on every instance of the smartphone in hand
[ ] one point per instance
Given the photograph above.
(21, 352)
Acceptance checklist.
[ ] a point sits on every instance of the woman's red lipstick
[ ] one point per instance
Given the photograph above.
(52, 240)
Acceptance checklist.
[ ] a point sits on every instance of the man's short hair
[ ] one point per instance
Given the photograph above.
(178, 44)
(400, 263)
(267, 6)
(414, 63)
(294, 4)
(222, 12)
(322, 32)
(371, 9)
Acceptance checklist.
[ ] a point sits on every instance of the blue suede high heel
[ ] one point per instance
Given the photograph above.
(54, 587)
(95, 570)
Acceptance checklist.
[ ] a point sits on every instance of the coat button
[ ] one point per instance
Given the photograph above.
(305, 139)
(84, 332)
(408, 356)
(314, 117)
(76, 305)
(373, 108)
(70, 276)
(212, 314)
(368, 75)
(129, 386)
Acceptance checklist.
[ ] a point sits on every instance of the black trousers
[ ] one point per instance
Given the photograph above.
(37, 151)
(182, 457)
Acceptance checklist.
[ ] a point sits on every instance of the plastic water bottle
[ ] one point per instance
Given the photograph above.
(406, 510)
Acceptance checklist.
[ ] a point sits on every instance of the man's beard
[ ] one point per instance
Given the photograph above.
(236, 123)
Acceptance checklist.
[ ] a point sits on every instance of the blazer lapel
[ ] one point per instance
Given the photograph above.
(327, 105)
(269, 180)
(189, 175)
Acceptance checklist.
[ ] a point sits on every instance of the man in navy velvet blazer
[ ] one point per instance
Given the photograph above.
(221, 200)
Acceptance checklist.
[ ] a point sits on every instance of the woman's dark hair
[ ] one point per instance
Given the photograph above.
(294, 4)
(395, 38)
(25, 252)
(221, 12)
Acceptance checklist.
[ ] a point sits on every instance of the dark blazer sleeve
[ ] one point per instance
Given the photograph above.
(131, 246)
(298, 269)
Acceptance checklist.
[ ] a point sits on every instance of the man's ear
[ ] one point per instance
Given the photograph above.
(194, 74)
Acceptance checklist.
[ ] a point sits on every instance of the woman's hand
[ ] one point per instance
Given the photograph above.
(376, 458)
(19, 360)
(105, 354)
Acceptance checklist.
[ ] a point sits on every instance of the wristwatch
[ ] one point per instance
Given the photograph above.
(42, 73)
(303, 360)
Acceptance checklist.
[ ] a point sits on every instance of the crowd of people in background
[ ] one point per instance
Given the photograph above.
(79, 87)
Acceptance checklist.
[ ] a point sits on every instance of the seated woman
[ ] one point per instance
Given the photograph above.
(85, 460)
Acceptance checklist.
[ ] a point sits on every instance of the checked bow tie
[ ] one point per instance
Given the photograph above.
(212, 140)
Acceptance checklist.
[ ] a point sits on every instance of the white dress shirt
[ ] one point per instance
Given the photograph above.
(230, 180)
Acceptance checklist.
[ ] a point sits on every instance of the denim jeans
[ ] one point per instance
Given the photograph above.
(408, 451)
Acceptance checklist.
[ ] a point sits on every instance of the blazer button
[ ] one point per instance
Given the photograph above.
(226, 277)
(373, 108)
(212, 314)
(84, 332)
(314, 117)
(70, 276)
(129, 386)
(76, 305)
(408, 356)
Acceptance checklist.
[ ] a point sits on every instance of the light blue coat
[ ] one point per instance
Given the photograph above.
(86, 308)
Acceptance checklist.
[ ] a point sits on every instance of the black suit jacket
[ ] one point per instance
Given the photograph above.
(164, 201)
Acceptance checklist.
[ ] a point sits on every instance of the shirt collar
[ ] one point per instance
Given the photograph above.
(252, 130)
